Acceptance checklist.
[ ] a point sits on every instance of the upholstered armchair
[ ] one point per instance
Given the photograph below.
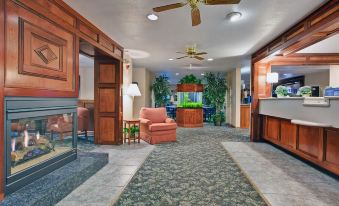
(156, 127)
(83, 120)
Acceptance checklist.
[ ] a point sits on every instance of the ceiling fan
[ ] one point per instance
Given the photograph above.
(191, 52)
(194, 4)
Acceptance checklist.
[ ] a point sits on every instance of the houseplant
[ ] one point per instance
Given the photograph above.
(305, 91)
(161, 89)
(281, 91)
(215, 92)
(131, 130)
(190, 79)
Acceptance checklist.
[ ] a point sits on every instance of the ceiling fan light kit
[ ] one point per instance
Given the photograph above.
(234, 16)
(194, 4)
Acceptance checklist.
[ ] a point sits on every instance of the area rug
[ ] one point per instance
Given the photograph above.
(195, 170)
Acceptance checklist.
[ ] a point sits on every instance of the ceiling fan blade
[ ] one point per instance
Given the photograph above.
(201, 53)
(199, 58)
(218, 2)
(168, 7)
(196, 20)
(182, 57)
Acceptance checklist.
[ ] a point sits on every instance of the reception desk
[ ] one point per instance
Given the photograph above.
(307, 127)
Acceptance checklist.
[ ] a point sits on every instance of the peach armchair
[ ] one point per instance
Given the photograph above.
(156, 127)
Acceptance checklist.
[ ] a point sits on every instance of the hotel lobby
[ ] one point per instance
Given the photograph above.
(191, 102)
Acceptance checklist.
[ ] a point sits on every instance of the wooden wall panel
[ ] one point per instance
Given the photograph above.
(272, 128)
(107, 73)
(288, 135)
(107, 98)
(310, 141)
(106, 129)
(40, 55)
(332, 147)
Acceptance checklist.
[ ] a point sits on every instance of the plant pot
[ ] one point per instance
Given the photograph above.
(280, 96)
(306, 95)
(217, 123)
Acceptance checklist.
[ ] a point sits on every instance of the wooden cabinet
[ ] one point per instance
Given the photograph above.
(245, 116)
(315, 144)
(189, 118)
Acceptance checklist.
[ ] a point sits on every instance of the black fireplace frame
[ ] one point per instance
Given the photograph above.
(22, 107)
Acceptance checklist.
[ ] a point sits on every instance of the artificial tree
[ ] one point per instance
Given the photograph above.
(214, 93)
(161, 89)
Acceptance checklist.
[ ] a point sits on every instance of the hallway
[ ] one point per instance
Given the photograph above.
(196, 170)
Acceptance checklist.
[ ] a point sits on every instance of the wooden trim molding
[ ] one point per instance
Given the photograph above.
(2, 82)
(190, 87)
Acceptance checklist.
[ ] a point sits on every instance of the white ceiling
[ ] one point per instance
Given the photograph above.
(329, 45)
(229, 43)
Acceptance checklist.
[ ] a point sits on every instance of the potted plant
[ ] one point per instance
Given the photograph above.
(161, 89)
(305, 91)
(190, 79)
(132, 131)
(281, 91)
(215, 92)
(218, 118)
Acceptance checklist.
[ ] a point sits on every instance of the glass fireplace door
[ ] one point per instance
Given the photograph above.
(41, 136)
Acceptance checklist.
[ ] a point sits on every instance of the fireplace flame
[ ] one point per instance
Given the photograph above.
(13, 144)
(26, 138)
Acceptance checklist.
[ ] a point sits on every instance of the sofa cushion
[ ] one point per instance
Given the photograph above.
(162, 126)
(156, 115)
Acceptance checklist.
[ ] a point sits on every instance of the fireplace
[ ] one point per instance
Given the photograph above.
(40, 137)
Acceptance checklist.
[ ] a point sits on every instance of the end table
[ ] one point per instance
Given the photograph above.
(128, 135)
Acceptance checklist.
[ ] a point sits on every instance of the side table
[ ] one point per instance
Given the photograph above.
(130, 125)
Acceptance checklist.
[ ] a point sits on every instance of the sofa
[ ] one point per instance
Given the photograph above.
(156, 127)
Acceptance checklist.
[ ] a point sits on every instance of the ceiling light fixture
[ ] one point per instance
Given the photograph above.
(210, 59)
(152, 17)
(177, 74)
(170, 59)
(202, 74)
(234, 16)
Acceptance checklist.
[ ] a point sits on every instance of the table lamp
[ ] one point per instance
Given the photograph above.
(133, 91)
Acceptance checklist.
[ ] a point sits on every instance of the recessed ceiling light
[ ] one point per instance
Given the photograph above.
(202, 74)
(177, 74)
(210, 59)
(234, 16)
(152, 17)
(170, 59)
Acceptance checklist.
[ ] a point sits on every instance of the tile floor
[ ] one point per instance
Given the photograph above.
(281, 178)
(124, 161)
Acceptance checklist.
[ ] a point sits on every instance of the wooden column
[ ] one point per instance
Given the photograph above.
(2, 74)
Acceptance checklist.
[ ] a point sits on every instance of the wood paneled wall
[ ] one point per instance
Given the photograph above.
(40, 40)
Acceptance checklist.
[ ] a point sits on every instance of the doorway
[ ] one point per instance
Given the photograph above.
(100, 91)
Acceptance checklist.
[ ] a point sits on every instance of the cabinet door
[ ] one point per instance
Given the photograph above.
(106, 102)
(332, 148)
(272, 128)
(288, 134)
(311, 141)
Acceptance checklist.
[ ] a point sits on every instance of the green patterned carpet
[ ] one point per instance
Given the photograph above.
(196, 170)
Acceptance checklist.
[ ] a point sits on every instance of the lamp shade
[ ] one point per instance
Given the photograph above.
(272, 78)
(133, 90)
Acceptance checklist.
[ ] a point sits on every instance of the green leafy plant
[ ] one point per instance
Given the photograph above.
(305, 91)
(132, 130)
(161, 89)
(188, 104)
(218, 118)
(281, 91)
(215, 91)
(190, 79)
